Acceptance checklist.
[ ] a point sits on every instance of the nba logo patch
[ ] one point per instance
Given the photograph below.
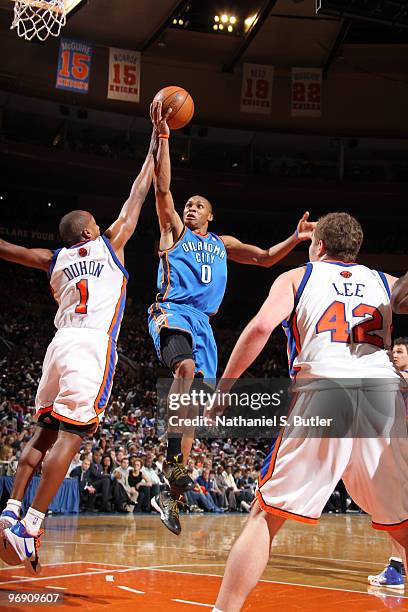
(83, 252)
(345, 274)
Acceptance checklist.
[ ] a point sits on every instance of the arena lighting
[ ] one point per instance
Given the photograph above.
(180, 22)
(221, 27)
(230, 28)
(216, 18)
(224, 18)
(232, 19)
(215, 27)
(249, 21)
(175, 21)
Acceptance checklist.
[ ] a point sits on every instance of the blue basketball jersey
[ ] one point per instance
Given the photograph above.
(194, 272)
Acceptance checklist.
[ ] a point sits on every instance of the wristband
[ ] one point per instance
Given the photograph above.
(166, 136)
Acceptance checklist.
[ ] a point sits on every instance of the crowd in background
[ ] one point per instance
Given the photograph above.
(119, 469)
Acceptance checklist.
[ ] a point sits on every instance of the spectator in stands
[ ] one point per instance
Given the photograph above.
(100, 481)
(87, 493)
(142, 484)
(150, 474)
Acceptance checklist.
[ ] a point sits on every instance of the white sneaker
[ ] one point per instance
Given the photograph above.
(25, 545)
(8, 518)
(245, 507)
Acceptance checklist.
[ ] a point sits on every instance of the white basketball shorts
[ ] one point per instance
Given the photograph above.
(301, 472)
(77, 376)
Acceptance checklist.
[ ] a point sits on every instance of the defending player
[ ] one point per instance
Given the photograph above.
(392, 576)
(191, 283)
(88, 281)
(339, 317)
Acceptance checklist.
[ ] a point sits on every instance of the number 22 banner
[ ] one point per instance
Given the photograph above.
(306, 92)
(124, 75)
(256, 92)
(74, 65)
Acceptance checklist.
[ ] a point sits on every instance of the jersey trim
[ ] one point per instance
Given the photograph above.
(345, 264)
(115, 257)
(286, 323)
(163, 251)
(303, 282)
(53, 261)
(284, 513)
(118, 314)
(79, 244)
(385, 283)
(107, 381)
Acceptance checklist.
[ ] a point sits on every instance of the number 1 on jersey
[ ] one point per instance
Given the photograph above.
(82, 287)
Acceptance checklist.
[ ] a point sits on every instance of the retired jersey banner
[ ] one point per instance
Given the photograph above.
(74, 65)
(124, 75)
(306, 92)
(256, 92)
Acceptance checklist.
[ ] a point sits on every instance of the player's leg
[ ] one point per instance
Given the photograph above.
(176, 353)
(30, 459)
(247, 559)
(368, 477)
(24, 535)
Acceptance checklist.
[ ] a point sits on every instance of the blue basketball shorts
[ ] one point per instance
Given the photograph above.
(179, 317)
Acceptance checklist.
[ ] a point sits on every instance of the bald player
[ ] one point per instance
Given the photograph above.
(88, 281)
(191, 284)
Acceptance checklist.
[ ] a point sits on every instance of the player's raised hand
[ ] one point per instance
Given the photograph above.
(305, 227)
(158, 119)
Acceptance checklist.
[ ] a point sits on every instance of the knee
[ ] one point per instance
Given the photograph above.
(184, 369)
(28, 460)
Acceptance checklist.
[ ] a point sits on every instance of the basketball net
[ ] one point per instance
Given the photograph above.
(39, 18)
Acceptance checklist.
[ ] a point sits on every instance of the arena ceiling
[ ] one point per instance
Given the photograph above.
(286, 33)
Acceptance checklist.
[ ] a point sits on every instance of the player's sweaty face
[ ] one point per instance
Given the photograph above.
(196, 213)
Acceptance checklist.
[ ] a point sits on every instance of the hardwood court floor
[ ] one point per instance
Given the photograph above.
(126, 563)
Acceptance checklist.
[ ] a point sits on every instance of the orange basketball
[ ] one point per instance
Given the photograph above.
(181, 103)
(7, 552)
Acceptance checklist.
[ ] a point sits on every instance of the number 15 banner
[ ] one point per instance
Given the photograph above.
(74, 65)
(124, 75)
(306, 92)
(256, 92)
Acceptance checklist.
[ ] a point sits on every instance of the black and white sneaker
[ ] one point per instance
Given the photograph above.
(168, 508)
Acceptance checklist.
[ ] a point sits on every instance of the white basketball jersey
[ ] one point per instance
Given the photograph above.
(89, 285)
(341, 323)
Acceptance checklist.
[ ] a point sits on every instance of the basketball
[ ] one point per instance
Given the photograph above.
(181, 103)
(7, 552)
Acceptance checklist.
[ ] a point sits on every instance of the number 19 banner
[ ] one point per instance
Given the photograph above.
(124, 75)
(256, 92)
(306, 92)
(74, 65)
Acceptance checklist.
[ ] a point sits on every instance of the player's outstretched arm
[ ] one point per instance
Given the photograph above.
(123, 228)
(249, 254)
(277, 307)
(33, 258)
(170, 222)
(399, 296)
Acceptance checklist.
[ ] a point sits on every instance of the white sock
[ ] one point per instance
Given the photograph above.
(15, 506)
(32, 521)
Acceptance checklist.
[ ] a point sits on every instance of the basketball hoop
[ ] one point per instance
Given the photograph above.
(39, 18)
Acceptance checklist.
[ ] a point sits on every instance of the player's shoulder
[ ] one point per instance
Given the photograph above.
(295, 276)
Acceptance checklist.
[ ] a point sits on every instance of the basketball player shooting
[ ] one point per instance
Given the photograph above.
(191, 283)
(88, 281)
(340, 316)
